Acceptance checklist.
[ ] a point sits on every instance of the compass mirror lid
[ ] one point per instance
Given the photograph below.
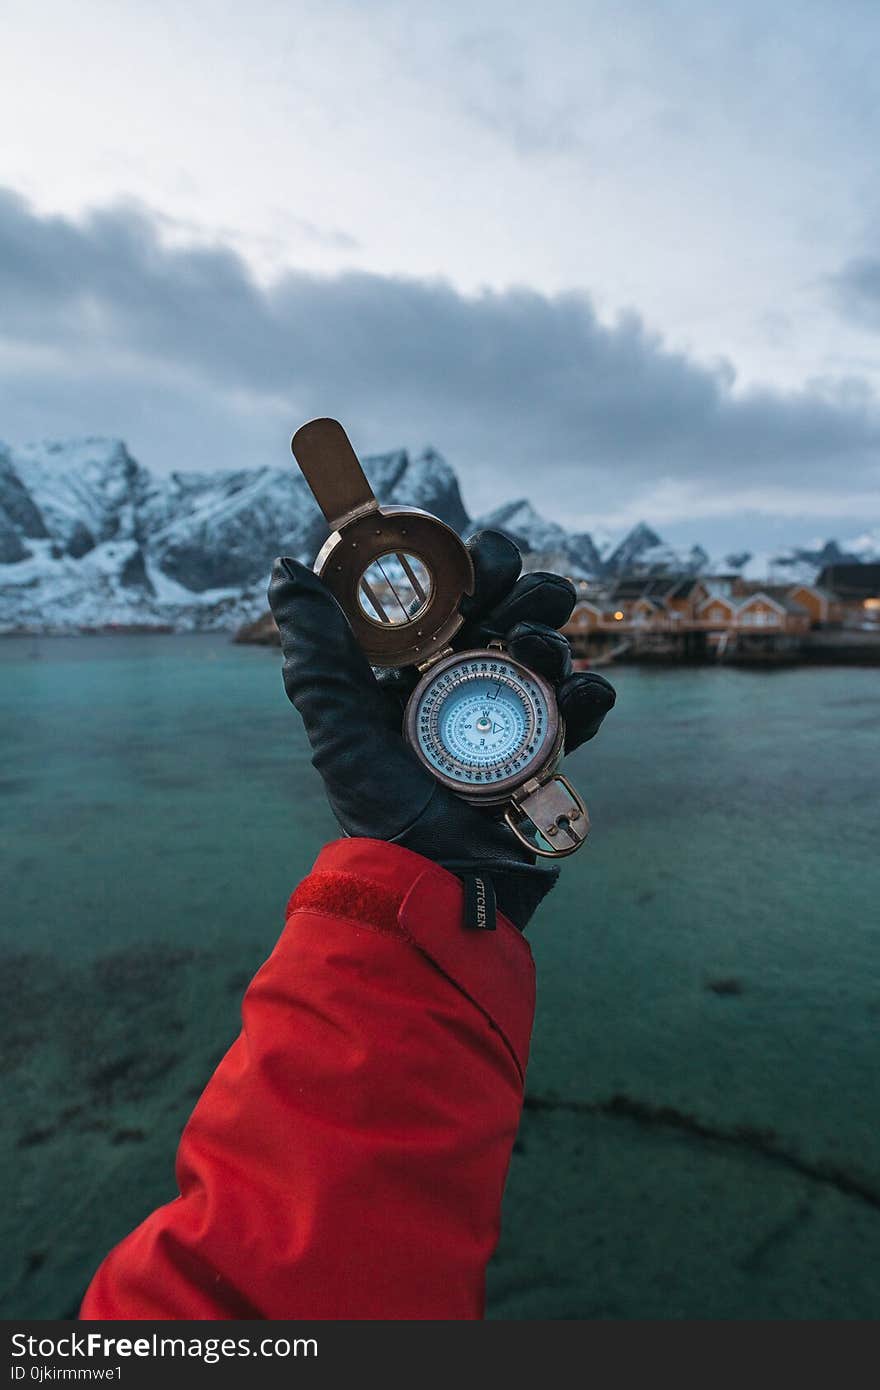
(398, 573)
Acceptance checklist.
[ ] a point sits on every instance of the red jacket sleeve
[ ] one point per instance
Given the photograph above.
(348, 1156)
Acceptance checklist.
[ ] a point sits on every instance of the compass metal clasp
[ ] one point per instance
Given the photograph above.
(557, 812)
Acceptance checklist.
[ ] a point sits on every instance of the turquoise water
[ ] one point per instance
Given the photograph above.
(701, 1137)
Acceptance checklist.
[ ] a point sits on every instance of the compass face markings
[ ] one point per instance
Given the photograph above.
(482, 721)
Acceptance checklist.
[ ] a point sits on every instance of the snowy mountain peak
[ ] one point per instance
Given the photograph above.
(520, 521)
(545, 544)
(79, 487)
(85, 531)
(635, 544)
(90, 538)
(866, 546)
(426, 481)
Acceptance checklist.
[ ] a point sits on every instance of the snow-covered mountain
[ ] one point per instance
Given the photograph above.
(545, 544)
(802, 564)
(91, 539)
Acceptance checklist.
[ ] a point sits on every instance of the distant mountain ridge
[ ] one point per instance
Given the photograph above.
(89, 538)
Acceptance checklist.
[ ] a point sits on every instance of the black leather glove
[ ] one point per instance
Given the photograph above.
(352, 715)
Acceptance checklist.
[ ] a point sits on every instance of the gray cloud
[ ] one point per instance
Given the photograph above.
(103, 328)
(856, 291)
(488, 71)
(271, 245)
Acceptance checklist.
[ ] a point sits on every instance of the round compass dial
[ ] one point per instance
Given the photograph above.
(482, 722)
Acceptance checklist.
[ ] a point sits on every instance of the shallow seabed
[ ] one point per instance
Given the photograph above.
(701, 1133)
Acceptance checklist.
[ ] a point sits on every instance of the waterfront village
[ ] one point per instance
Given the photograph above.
(724, 617)
(695, 618)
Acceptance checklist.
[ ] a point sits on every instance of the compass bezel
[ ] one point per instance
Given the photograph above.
(497, 790)
(348, 553)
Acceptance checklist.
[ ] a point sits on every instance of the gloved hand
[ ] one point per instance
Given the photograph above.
(374, 782)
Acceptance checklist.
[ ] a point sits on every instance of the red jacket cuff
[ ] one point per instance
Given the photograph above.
(390, 888)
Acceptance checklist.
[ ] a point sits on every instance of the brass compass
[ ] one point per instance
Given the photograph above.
(483, 724)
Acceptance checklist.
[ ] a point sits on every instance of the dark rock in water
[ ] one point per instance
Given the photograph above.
(115, 1070)
(727, 985)
(263, 632)
(133, 1077)
(141, 969)
(30, 985)
(32, 1137)
(129, 1136)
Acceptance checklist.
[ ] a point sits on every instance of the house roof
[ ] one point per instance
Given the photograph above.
(659, 586)
(777, 601)
(781, 592)
(628, 588)
(851, 581)
(736, 605)
(813, 589)
(748, 589)
(726, 599)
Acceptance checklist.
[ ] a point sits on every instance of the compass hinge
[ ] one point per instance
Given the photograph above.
(432, 660)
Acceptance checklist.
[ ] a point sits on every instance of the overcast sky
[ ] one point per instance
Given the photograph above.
(622, 257)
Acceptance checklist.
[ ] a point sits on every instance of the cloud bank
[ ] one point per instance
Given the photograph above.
(104, 327)
(856, 291)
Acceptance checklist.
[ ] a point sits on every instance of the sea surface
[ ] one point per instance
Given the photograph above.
(701, 1137)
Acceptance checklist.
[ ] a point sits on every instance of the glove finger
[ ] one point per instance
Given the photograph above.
(497, 564)
(370, 777)
(542, 649)
(584, 699)
(398, 685)
(318, 645)
(542, 598)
